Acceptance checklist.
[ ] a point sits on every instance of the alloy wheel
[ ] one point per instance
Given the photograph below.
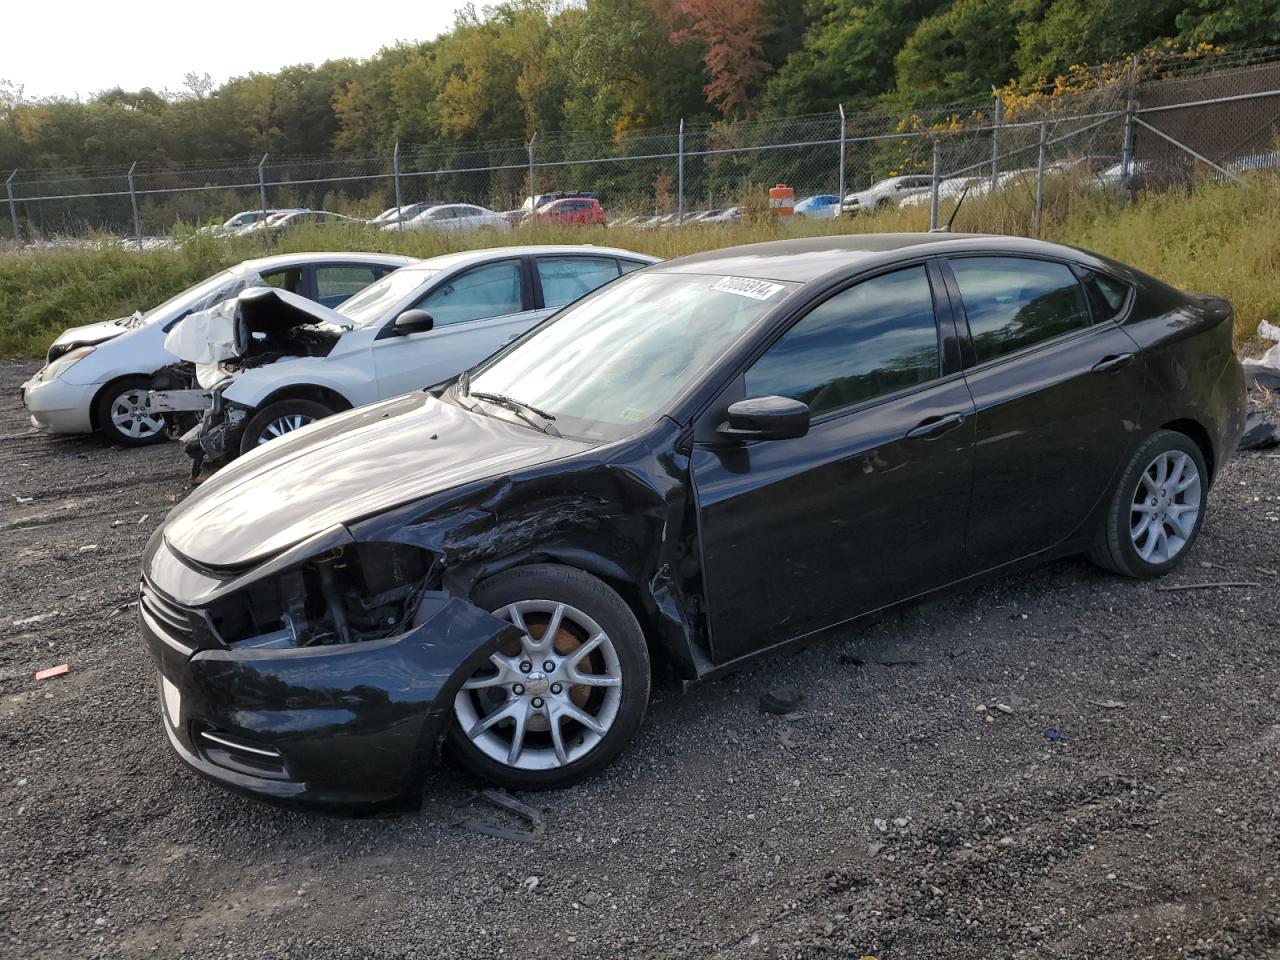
(131, 415)
(1166, 505)
(548, 699)
(282, 425)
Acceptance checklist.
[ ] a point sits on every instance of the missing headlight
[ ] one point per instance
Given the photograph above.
(365, 591)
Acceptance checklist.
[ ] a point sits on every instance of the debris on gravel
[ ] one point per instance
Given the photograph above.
(1150, 832)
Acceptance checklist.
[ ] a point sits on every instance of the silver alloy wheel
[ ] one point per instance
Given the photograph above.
(282, 425)
(1165, 507)
(548, 700)
(131, 415)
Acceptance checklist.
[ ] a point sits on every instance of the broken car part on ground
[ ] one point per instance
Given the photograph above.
(496, 562)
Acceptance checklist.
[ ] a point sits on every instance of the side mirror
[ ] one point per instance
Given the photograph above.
(766, 418)
(414, 321)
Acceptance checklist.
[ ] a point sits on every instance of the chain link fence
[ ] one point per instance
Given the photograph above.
(1155, 124)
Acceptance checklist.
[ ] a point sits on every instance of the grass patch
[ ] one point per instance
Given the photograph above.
(1222, 238)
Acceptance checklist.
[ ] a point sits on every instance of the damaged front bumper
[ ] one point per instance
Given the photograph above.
(332, 725)
(216, 438)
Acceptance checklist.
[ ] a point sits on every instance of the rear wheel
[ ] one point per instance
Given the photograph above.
(560, 703)
(276, 419)
(1156, 509)
(124, 413)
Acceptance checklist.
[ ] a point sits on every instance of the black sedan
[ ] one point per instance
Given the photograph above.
(699, 463)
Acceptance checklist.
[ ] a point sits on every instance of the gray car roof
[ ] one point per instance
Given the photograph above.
(807, 258)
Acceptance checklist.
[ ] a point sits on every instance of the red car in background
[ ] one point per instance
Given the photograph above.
(581, 211)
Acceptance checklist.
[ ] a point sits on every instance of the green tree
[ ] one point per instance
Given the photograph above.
(958, 53)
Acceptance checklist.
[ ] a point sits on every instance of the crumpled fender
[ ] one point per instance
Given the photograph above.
(372, 711)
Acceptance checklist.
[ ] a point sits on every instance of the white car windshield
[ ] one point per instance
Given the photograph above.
(371, 304)
(199, 297)
(618, 358)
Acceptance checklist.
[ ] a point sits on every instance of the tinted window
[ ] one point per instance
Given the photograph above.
(1107, 295)
(629, 265)
(873, 339)
(565, 279)
(334, 284)
(1014, 303)
(489, 291)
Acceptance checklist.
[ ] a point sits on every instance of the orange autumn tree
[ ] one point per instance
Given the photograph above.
(732, 32)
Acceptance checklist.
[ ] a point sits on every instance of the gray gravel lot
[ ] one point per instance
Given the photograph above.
(888, 817)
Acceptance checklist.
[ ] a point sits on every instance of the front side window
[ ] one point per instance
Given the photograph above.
(565, 279)
(489, 291)
(1014, 302)
(873, 339)
(618, 358)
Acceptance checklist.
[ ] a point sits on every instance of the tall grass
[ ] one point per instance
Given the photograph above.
(1222, 238)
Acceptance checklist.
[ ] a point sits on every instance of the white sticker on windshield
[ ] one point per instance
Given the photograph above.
(746, 287)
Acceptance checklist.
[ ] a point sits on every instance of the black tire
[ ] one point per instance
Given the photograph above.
(121, 392)
(594, 598)
(305, 410)
(1114, 548)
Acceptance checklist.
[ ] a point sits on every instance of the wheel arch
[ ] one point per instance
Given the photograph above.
(1196, 432)
(307, 391)
(101, 392)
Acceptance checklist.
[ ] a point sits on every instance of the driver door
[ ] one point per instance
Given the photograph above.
(475, 312)
(869, 507)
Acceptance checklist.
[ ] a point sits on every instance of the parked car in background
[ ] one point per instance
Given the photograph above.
(98, 376)
(822, 206)
(399, 214)
(885, 194)
(453, 216)
(728, 215)
(305, 218)
(532, 204)
(235, 224)
(700, 465)
(419, 325)
(950, 189)
(574, 211)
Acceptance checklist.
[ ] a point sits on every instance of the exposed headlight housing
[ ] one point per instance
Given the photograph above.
(56, 368)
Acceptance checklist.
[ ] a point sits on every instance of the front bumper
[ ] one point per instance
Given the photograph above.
(342, 725)
(56, 406)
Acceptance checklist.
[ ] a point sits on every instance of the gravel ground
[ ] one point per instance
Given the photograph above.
(912, 807)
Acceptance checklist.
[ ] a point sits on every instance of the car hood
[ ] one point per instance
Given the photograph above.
(347, 468)
(89, 334)
(223, 331)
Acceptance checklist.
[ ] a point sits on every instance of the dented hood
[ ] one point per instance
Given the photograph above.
(346, 468)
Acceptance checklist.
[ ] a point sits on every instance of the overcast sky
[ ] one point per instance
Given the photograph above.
(79, 48)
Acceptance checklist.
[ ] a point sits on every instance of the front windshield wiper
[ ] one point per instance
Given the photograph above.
(520, 409)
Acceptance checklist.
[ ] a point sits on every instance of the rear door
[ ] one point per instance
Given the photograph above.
(1058, 398)
(869, 506)
(475, 310)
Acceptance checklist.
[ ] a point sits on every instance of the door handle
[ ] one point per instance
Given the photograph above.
(1115, 362)
(930, 428)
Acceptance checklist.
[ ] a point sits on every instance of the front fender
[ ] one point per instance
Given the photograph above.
(350, 380)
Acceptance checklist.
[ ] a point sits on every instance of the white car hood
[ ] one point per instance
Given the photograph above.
(91, 333)
(217, 334)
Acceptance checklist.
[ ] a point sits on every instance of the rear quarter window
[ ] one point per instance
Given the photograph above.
(1107, 295)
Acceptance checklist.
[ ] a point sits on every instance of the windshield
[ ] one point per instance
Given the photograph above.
(618, 358)
(192, 298)
(371, 304)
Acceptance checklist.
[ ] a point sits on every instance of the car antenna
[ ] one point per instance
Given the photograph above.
(952, 219)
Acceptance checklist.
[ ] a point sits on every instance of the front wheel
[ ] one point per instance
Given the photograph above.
(276, 419)
(1156, 509)
(124, 414)
(561, 702)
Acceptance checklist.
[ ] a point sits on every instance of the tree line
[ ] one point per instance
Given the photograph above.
(604, 69)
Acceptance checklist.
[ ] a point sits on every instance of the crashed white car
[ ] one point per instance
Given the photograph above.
(270, 362)
(98, 376)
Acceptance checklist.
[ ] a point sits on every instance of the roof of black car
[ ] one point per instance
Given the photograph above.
(807, 258)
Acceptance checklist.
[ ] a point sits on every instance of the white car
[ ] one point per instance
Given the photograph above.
(454, 216)
(405, 213)
(417, 326)
(949, 189)
(98, 376)
(885, 194)
(235, 224)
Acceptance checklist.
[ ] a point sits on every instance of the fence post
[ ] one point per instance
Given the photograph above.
(933, 194)
(395, 172)
(840, 188)
(995, 139)
(1044, 139)
(13, 207)
(133, 200)
(680, 174)
(533, 195)
(1130, 109)
(262, 186)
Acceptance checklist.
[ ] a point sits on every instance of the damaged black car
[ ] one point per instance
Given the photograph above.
(701, 462)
